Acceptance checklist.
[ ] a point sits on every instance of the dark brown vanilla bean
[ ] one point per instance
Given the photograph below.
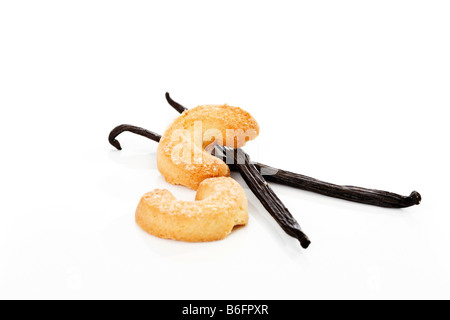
(356, 194)
(268, 198)
(133, 129)
(175, 104)
(265, 194)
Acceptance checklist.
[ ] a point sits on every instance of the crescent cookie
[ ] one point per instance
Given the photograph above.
(181, 154)
(220, 205)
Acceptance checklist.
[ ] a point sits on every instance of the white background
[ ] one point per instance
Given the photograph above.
(351, 92)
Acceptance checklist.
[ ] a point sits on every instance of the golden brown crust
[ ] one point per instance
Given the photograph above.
(220, 205)
(181, 157)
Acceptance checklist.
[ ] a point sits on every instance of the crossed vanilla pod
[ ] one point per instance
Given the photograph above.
(255, 175)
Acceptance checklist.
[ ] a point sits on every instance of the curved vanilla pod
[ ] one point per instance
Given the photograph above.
(133, 129)
(175, 104)
(350, 193)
